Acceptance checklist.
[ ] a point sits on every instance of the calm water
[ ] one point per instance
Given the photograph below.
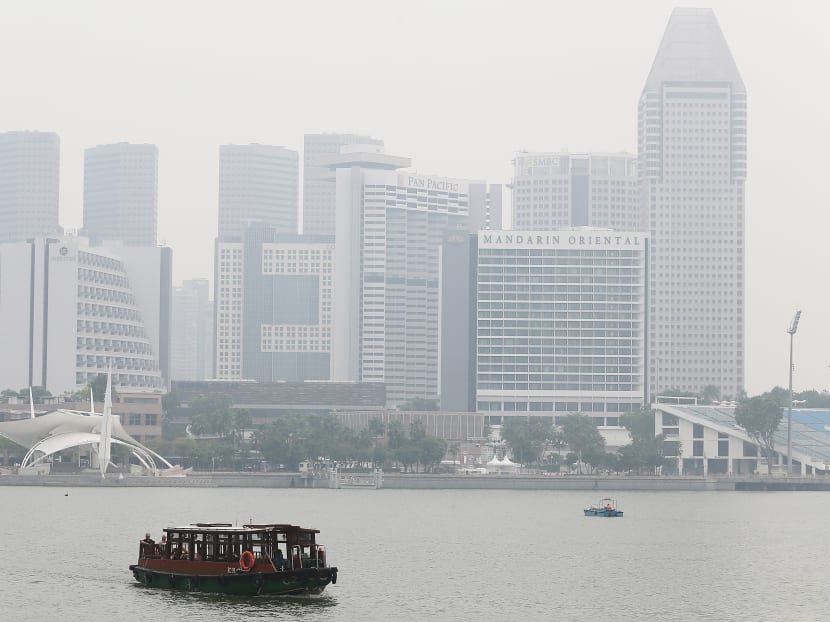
(439, 555)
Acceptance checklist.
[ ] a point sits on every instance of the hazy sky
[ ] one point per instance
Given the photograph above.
(457, 86)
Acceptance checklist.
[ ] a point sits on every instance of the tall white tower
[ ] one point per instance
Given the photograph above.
(121, 193)
(692, 166)
(29, 182)
(318, 181)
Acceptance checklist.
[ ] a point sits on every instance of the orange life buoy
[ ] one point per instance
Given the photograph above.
(246, 560)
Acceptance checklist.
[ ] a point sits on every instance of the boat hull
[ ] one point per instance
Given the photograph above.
(603, 512)
(281, 583)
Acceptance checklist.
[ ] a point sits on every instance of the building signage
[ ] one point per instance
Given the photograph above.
(525, 163)
(428, 182)
(63, 254)
(561, 239)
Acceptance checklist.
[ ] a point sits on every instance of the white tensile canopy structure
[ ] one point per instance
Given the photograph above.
(65, 429)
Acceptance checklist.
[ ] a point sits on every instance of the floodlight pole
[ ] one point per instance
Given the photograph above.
(791, 330)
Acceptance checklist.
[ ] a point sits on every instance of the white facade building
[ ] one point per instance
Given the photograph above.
(29, 184)
(692, 166)
(121, 193)
(561, 323)
(191, 348)
(560, 190)
(257, 183)
(68, 311)
(390, 227)
(318, 181)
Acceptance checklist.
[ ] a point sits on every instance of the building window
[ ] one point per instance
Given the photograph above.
(135, 419)
(150, 419)
(697, 432)
(697, 449)
(723, 448)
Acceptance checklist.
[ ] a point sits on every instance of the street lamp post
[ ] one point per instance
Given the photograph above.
(791, 330)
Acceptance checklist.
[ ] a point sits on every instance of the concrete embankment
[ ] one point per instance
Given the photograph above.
(421, 481)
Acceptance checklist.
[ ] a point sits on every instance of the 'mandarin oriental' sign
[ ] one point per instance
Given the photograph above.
(561, 239)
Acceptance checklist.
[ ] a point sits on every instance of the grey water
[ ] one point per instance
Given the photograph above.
(441, 555)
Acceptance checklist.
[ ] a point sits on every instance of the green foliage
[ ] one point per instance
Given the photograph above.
(583, 438)
(646, 450)
(528, 437)
(760, 416)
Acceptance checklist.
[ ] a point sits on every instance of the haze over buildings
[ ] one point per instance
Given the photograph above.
(257, 184)
(29, 172)
(459, 124)
(121, 193)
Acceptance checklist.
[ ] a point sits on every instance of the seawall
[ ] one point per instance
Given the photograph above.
(421, 481)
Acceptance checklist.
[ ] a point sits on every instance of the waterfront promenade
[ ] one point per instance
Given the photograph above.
(423, 481)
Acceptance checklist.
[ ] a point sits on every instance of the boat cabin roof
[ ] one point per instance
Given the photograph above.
(245, 529)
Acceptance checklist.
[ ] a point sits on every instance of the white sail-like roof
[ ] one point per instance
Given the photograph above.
(64, 429)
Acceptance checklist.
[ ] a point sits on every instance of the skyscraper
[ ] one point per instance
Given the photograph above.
(121, 193)
(318, 181)
(257, 183)
(559, 190)
(390, 227)
(273, 306)
(692, 168)
(29, 176)
(191, 347)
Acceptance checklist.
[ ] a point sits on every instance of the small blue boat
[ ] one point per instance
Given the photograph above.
(606, 507)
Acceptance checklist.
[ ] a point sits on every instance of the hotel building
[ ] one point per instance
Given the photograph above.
(560, 190)
(318, 181)
(69, 310)
(561, 324)
(692, 166)
(121, 193)
(390, 227)
(29, 176)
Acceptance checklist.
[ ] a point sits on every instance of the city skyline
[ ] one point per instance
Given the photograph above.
(546, 105)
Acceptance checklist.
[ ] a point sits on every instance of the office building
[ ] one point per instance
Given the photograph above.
(191, 348)
(561, 323)
(692, 167)
(560, 190)
(318, 181)
(29, 184)
(257, 184)
(69, 311)
(121, 194)
(274, 306)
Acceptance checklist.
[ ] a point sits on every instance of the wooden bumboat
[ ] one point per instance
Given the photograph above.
(252, 560)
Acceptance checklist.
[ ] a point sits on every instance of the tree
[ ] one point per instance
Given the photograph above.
(760, 416)
(432, 451)
(583, 438)
(528, 437)
(711, 393)
(211, 415)
(646, 450)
